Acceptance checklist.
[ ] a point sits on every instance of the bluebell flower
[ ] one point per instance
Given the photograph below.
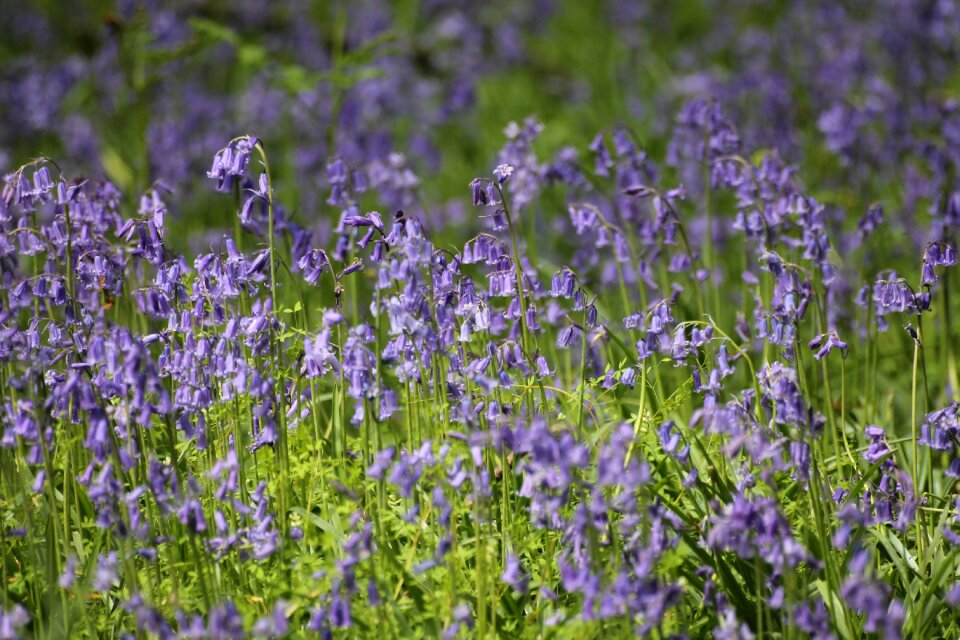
(825, 343)
(231, 162)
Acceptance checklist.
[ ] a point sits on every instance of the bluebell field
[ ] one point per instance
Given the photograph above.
(443, 319)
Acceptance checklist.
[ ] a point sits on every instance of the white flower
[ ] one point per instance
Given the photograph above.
(503, 172)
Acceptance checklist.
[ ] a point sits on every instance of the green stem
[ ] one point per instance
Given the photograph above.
(279, 391)
(583, 372)
(913, 430)
(518, 270)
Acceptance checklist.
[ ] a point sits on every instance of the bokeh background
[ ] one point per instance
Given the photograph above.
(861, 96)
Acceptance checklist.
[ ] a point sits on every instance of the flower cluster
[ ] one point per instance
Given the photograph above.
(572, 397)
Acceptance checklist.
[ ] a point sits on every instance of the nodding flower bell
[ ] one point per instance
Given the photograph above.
(231, 162)
(937, 254)
(893, 294)
(825, 343)
(313, 263)
(478, 188)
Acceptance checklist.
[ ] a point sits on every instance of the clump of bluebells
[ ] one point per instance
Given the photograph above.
(683, 409)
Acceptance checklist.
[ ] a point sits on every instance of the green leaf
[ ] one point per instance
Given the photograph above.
(117, 169)
(213, 30)
(334, 528)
